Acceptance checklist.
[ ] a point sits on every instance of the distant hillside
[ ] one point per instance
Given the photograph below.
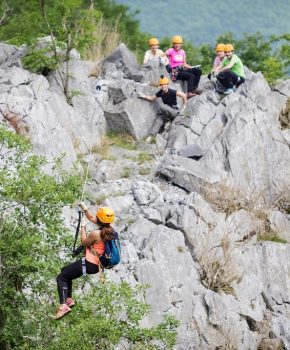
(203, 20)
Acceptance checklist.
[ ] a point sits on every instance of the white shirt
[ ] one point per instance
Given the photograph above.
(159, 53)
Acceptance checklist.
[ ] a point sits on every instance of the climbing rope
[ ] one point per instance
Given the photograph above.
(90, 153)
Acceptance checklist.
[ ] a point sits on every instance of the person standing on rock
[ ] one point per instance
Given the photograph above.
(169, 109)
(231, 73)
(94, 244)
(155, 52)
(180, 70)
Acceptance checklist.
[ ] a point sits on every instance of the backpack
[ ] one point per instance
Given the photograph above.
(112, 254)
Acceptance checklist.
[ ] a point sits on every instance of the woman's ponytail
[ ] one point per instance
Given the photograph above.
(107, 231)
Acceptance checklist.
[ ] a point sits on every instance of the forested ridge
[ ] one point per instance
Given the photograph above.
(204, 20)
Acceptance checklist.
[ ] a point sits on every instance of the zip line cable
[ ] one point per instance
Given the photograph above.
(76, 251)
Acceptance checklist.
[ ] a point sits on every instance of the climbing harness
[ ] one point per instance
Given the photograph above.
(84, 268)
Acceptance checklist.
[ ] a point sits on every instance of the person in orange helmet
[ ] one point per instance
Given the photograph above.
(155, 52)
(94, 244)
(180, 69)
(168, 109)
(231, 73)
(220, 56)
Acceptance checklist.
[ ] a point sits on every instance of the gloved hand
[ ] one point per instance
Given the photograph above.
(83, 206)
(182, 109)
(83, 220)
(141, 95)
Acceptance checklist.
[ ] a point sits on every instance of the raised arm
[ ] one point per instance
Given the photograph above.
(147, 98)
(182, 95)
(88, 214)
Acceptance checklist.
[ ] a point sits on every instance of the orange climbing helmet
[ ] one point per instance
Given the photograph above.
(177, 39)
(229, 47)
(105, 215)
(163, 80)
(153, 41)
(220, 47)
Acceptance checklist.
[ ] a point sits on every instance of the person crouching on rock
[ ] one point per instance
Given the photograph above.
(94, 244)
(180, 70)
(155, 52)
(169, 109)
(220, 56)
(231, 72)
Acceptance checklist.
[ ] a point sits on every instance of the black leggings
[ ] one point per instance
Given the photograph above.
(69, 273)
(229, 79)
(192, 76)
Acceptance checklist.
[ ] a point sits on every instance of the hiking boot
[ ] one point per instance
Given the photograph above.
(61, 311)
(190, 95)
(228, 91)
(70, 302)
(197, 91)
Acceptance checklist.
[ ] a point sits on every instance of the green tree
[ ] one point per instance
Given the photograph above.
(68, 23)
(31, 228)
(4, 13)
(272, 69)
(108, 315)
(283, 51)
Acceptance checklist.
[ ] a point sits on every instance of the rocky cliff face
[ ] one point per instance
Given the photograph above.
(198, 210)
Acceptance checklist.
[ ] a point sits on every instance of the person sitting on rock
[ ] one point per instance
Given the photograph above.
(169, 109)
(220, 56)
(180, 70)
(155, 52)
(94, 247)
(231, 73)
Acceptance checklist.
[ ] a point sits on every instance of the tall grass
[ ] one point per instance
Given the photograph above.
(107, 38)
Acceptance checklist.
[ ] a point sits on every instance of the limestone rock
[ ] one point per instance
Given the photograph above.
(132, 116)
(191, 232)
(125, 61)
(153, 70)
(11, 55)
(146, 193)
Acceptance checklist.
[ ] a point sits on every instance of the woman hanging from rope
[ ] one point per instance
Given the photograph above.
(94, 247)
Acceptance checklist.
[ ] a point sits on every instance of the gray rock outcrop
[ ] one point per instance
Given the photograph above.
(204, 217)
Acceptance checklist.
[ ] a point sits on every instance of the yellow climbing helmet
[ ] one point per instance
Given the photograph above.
(229, 47)
(105, 215)
(153, 41)
(163, 80)
(220, 47)
(177, 39)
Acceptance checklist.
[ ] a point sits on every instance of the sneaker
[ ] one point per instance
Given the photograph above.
(190, 95)
(228, 91)
(70, 302)
(61, 311)
(197, 91)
